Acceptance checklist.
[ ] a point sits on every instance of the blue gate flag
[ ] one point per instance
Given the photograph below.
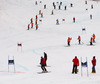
(84, 64)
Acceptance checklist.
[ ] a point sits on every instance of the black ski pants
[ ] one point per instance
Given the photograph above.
(74, 69)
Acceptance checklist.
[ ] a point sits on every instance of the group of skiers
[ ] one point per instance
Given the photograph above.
(31, 25)
(76, 63)
(60, 5)
(57, 21)
(75, 60)
(92, 40)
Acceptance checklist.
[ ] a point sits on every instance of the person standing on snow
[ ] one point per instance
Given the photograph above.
(36, 3)
(75, 64)
(92, 6)
(45, 6)
(90, 16)
(41, 15)
(74, 19)
(45, 57)
(94, 64)
(39, 12)
(36, 26)
(68, 41)
(31, 20)
(79, 39)
(42, 63)
(35, 22)
(94, 38)
(57, 21)
(36, 17)
(65, 7)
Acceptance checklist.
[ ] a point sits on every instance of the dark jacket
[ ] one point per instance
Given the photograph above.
(45, 56)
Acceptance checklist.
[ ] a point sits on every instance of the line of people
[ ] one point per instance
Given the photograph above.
(92, 40)
(31, 25)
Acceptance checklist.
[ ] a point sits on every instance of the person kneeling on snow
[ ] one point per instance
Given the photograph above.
(75, 64)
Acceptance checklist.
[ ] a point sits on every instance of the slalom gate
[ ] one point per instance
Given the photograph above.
(84, 65)
(11, 62)
(19, 45)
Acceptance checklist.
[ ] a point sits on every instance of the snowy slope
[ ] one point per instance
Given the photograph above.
(15, 15)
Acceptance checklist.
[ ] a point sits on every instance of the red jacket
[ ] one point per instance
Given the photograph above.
(94, 61)
(79, 38)
(31, 19)
(43, 61)
(69, 39)
(91, 40)
(75, 61)
(36, 26)
(94, 36)
(28, 25)
(74, 18)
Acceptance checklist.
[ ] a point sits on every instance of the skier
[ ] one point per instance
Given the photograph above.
(40, 1)
(90, 16)
(36, 3)
(91, 41)
(74, 19)
(36, 17)
(53, 3)
(31, 20)
(59, 7)
(94, 64)
(65, 7)
(45, 6)
(79, 39)
(75, 64)
(42, 63)
(92, 6)
(68, 40)
(85, 2)
(94, 38)
(41, 15)
(54, 6)
(45, 57)
(39, 12)
(36, 26)
(71, 4)
(60, 3)
(28, 26)
(57, 21)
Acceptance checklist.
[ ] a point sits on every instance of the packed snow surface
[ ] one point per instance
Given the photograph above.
(15, 16)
